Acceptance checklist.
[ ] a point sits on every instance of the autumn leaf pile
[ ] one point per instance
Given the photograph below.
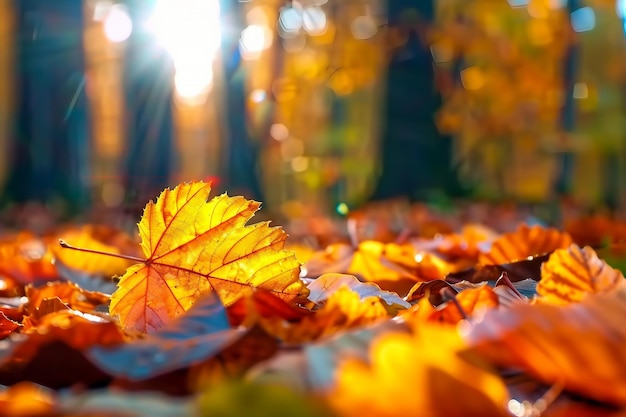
(209, 315)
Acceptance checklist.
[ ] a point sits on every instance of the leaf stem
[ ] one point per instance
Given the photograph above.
(66, 245)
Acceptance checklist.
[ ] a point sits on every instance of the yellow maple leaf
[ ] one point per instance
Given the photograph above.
(193, 246)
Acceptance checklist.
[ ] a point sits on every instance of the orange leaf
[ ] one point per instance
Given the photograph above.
(100, 238)
(414, 375)
(194, 246)
(264, 304)
(466, 303)
(69, 293)
(343, 310)
(26, 258)
(393, 267)
(41, 357)
(26, 399)
(7, 326)
(581, 345)
(466, 244)
(570, 274)
(524, 242)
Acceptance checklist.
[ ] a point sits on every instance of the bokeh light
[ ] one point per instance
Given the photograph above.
(518, 3)
(279, 131)
(190, 31)
(117, 24)
(314, 20)
(254, 40)
(364, 27)
(583, 19)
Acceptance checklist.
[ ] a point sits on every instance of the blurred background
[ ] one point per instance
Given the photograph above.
(314, 107)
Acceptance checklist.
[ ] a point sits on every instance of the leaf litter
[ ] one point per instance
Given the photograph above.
(210, 315)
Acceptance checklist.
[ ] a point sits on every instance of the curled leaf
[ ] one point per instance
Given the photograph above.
(7, 326)
(194, 246)
(570, 274)
(324, 286)
(69, 293)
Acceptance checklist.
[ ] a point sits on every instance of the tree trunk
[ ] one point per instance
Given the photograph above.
(50, 150)
(416, 158)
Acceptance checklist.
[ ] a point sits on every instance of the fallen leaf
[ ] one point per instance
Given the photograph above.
(51, 354)
(393, 267)
(467, 244)
(394, 385)
(44, 307)
(431, 289)
(99, 238)
(571, 274)
(325, 285)
(254, 347)
(525, 242)
(194, 246)
(517, 271)
(453, 306)
(196, 336)
(581, 345)
(343, 310)
(26, 258)
(262, 303)
(69, 293)
(7, 326)
(596, 230)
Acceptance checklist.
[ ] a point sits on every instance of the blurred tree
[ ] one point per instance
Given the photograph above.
(148, 75)
(563, 182)
(241, 151)
(50, 149)
(416, 157)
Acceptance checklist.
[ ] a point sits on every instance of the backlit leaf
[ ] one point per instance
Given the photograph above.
(345, 309)
(26, 258)
(194, 246)
(570, 274)
(26, 399)
(7, 326)
(582, 345)
(526, 241)
(411, 375)
(69, 293)
(95, 237)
